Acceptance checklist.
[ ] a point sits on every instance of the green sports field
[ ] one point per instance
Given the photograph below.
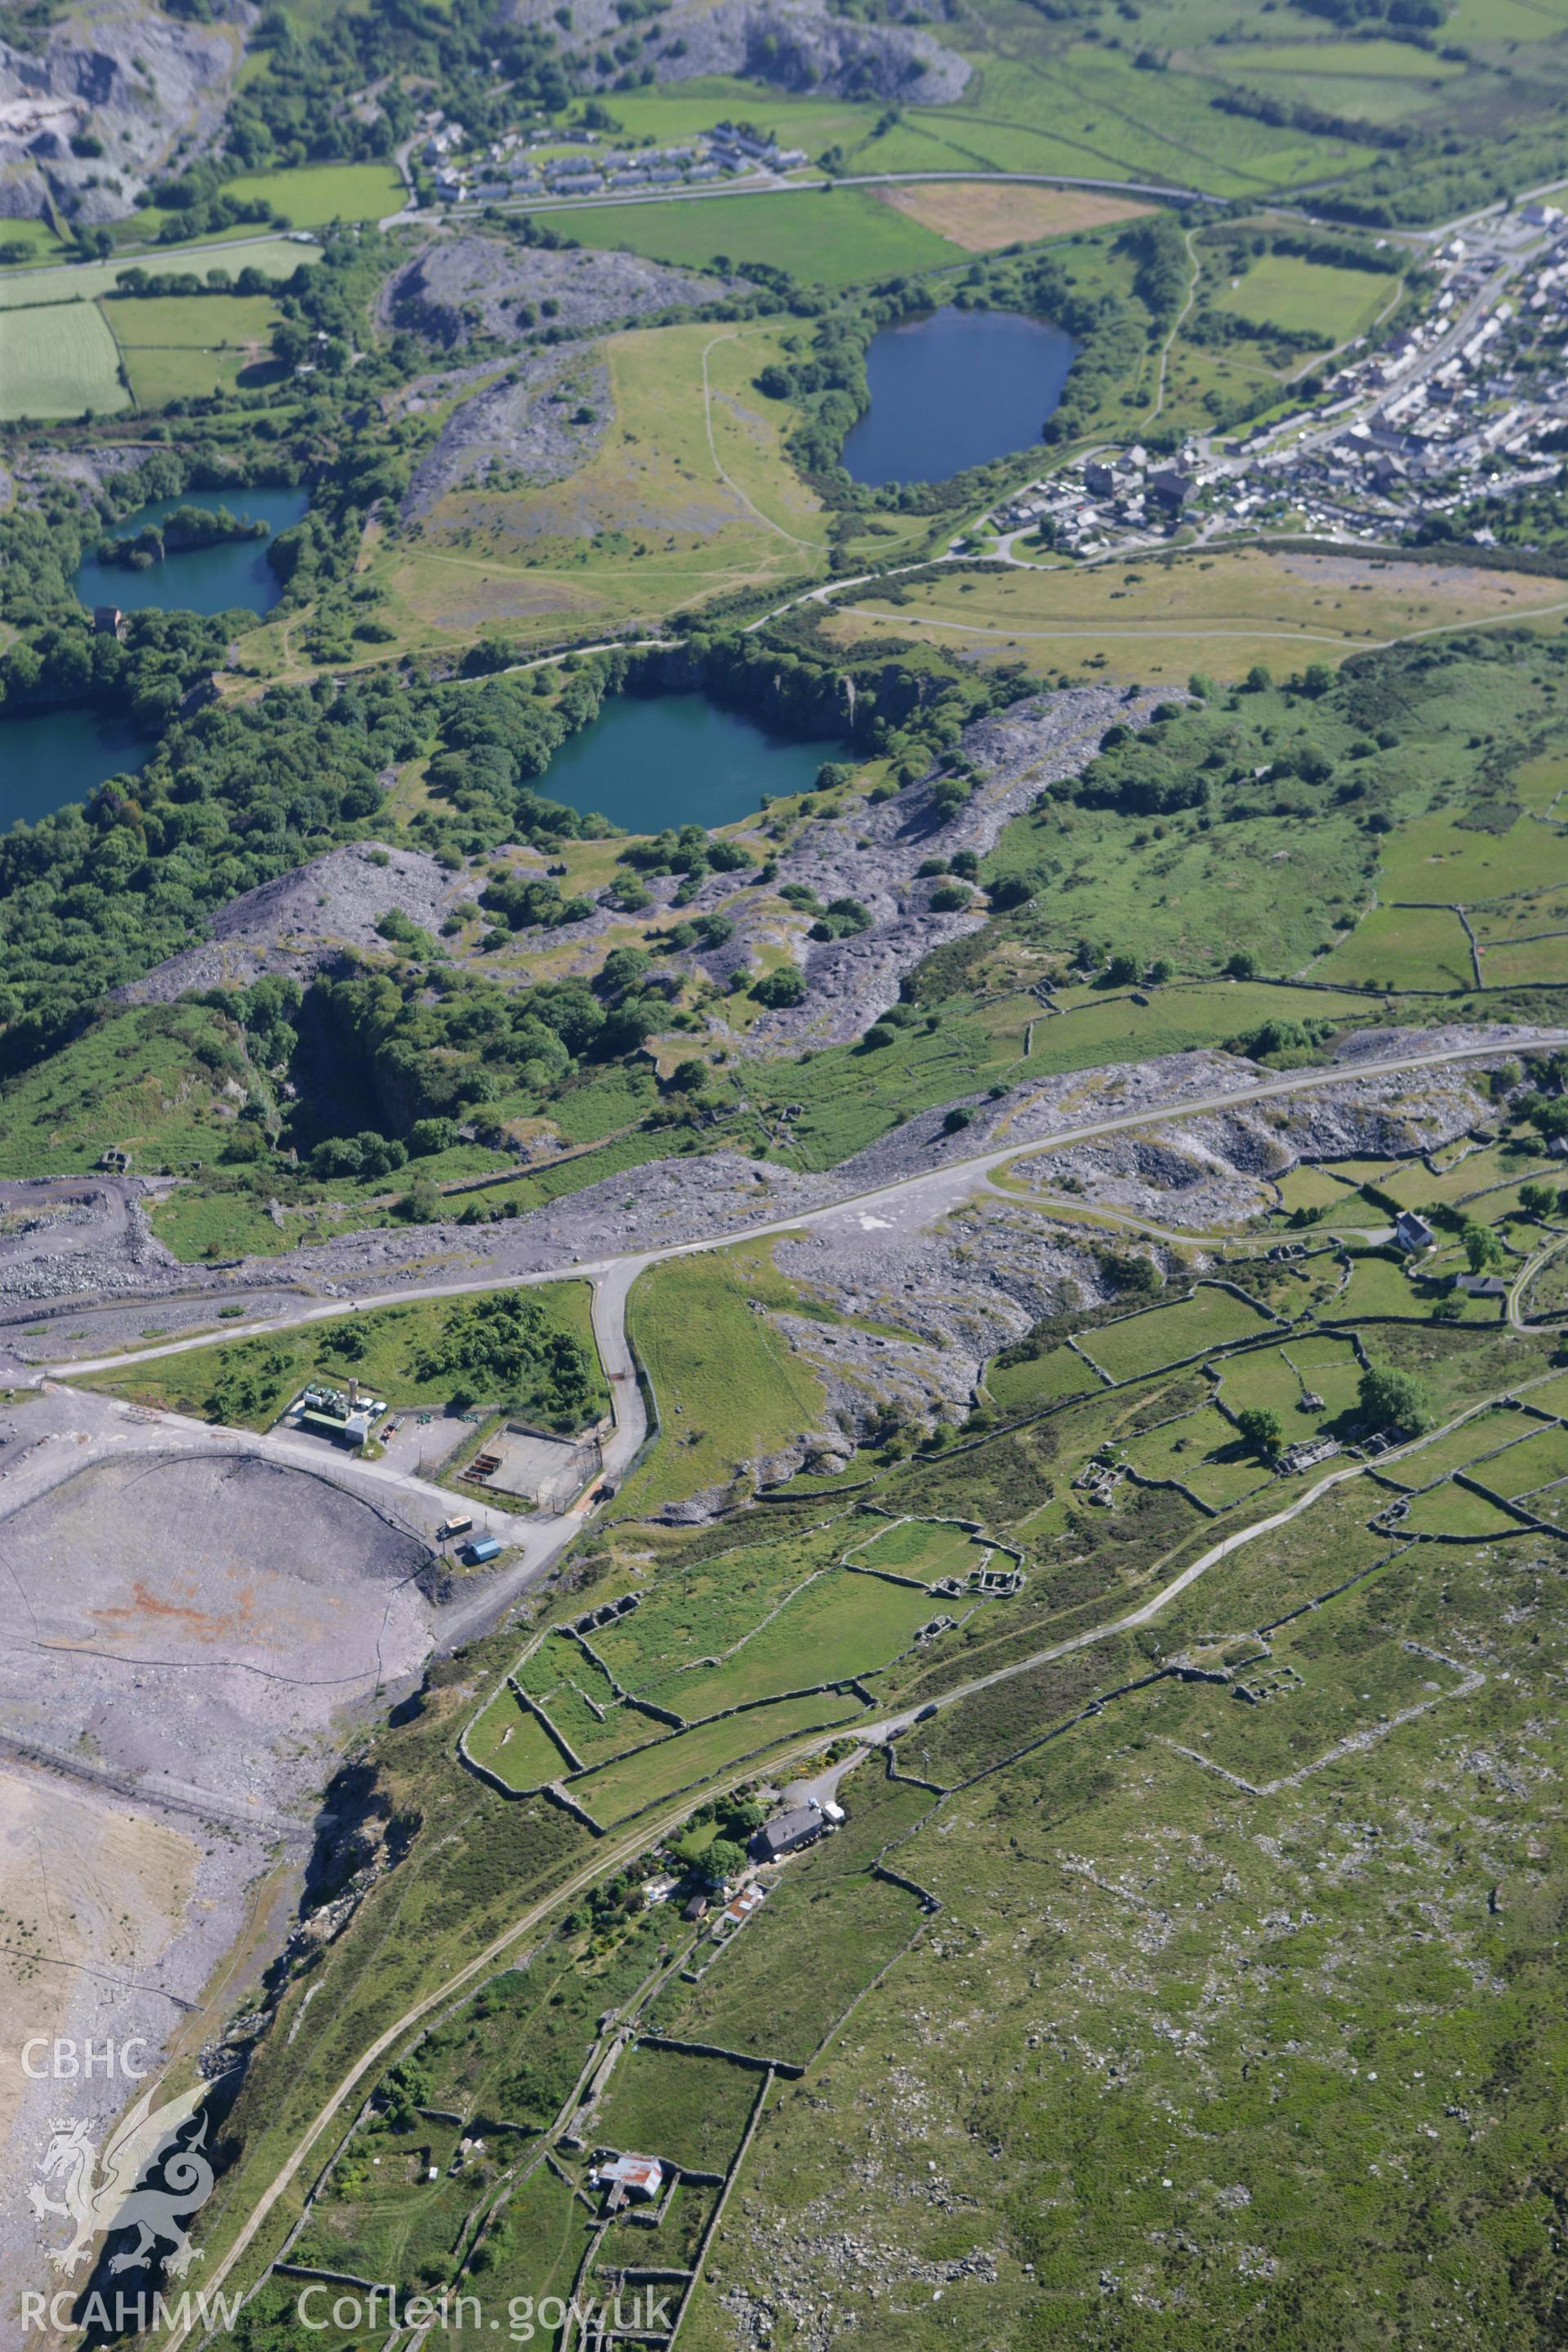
(1282, 291)
(57, 361)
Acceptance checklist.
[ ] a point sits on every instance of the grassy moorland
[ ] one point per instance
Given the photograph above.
(1143, 619)
(1363, 1707)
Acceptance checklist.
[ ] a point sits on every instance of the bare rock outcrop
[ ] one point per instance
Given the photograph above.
(486, 285)
(874, 855)
(544, 419)
(135, 79)
(304, 920)
(790, 44)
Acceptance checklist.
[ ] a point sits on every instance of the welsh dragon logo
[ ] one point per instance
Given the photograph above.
(108, 2194)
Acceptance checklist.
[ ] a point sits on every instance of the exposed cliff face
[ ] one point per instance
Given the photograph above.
(141, 83)
(790, 44)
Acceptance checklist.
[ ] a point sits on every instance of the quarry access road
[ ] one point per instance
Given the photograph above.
(536, 1540)
(900, 1203)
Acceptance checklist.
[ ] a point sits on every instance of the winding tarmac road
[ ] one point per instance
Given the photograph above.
(537, 1540)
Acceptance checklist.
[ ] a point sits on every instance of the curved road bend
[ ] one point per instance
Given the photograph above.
(541, 1539)
(905, 1199)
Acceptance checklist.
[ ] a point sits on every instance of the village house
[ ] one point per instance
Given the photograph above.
(627, 2179)
(788, 1833)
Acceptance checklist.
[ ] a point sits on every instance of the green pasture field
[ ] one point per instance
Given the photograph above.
(690, 494)
(1308, 1557)
(1548, 1503)
(703, 1610)
(1264, 1377)
(1450, 1510)
(1306, 1186)
(850, 1098)
(311, 194)
(617, 1790)
(743, 1389)
(255, 1379)
(1372, 60)
(1145, 1343)
(680, 2233)
(57, 361)
(389, 2220)
(923, 1549)
(135, 1080)
(84, 281)
(1281, 291)
(1543, 964)
(1399, 948)
(687, 2111)
(1520, 921)
(759, 1999)
(1484, 1182)
(842, 1625)
(564, 1681)
(1537, 782)
(834, 239)
(1379, 1286)
(1039, 1380)
(512, 2052)
(999, 1721)
(1088, 112)
(536, 2245)
(1550, 1395)
(1374, 81)
(1355, 1678)
(43, 245)
(1221, 612)
(1537, 1461)
(1204, 1453)
(175, 345)
(516, 1747)
(1434, 858)
(681, 109)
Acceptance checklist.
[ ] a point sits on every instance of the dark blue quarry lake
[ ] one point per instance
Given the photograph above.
(676, 759)
(955, 388)
(62, 756)
(197, 579)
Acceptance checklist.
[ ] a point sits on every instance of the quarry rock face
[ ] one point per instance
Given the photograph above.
(136, 81)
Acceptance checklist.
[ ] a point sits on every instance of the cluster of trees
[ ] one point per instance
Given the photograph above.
(1387, 1398)
(505, 1349)
(197, 205)
(187, 527)
(233, 795)
(528, 901)
(1300, 114)
(411, 50)
(436, 1045)
(148, 672)
(1159, 247)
